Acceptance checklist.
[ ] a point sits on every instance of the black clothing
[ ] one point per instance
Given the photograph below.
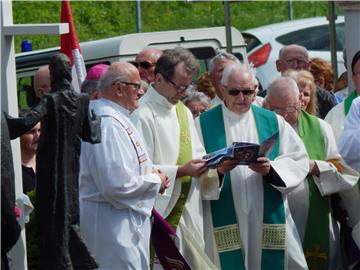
(65, 121)
(325, 101)
(29, 179)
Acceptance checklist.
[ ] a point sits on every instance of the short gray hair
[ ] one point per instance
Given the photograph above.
(229, 69)
(108, 78)
(221, 56)
(281, 86)
(283, 49)
(198, 96)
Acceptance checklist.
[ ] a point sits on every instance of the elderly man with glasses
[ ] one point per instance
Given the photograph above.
(118, 185)
(328, 174)
(249, 226)
(167, 127)
(145, 62)
(296, 57)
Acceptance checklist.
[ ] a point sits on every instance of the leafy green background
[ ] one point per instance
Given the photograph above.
(102, 19)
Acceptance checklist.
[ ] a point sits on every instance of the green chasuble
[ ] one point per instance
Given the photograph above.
(316, 241)
(185, 155)
(348, 101)
(226, 228)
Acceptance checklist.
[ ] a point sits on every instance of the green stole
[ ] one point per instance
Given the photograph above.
(226, 229)
(348, 101)
(185, 155)
(316, 241)
(347, 104)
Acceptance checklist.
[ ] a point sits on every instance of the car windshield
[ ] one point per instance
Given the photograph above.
(315, 38)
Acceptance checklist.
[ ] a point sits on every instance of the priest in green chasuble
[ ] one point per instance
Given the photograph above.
(328, 174)
(250, 225)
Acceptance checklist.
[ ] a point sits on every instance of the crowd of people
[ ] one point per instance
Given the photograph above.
(295, 208)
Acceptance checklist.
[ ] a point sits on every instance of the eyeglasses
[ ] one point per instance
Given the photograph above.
(286, 110)
(290, 109)
(178, 88)
(294, 61)
(245, 92)
(143, 64)
(137, 86)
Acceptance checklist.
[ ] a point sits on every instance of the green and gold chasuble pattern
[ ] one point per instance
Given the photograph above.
(226, 228)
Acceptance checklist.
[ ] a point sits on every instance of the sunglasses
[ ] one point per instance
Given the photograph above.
(143, 64)
(245, 92)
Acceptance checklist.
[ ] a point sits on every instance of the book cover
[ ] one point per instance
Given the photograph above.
(245, 153)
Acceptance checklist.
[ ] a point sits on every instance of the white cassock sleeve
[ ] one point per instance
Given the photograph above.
(349, 143)
(335, 174)
(292, 162)
(114, 165)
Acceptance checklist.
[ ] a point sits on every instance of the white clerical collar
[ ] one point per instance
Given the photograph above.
(117, 107)
(158, 98)
(234, 116)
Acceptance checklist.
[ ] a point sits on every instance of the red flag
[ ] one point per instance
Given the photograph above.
(70, 46)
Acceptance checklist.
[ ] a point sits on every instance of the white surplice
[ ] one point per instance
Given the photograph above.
(336, 119)
(116, 196)
(292, 165)
(330, 181)
(349, 145)
(157, 121)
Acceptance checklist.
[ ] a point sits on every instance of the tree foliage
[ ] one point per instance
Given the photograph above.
(103, 19)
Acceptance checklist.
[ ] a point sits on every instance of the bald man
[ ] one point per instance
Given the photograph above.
(145, 62)
(328, 174)
(42, 81)
(118, 186)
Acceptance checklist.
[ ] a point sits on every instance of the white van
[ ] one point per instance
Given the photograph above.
(204, 43)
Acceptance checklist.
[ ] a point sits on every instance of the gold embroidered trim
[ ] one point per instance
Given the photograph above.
(227, 238)
(274, 236)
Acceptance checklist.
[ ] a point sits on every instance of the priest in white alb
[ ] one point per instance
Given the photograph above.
(349, 145)
(167, 127)
(118, 185)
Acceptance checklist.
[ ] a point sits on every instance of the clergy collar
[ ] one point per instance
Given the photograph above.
(154, 96)
(234, 116)
(116, 107)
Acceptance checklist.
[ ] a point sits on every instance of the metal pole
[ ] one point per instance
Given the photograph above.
(332, 36)
(227, 20)
(138, 16)
(290, 10)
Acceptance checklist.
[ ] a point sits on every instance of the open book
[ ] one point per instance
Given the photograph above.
(245, 153)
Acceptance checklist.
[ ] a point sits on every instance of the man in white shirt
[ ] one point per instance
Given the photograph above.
(349, 145)
(250, 225)
(118, 185)
(336, 117)
(168, 130)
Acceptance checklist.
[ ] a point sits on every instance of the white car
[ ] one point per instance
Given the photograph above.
(264, 43)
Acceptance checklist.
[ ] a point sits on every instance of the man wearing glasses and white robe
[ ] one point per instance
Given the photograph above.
(118, 185)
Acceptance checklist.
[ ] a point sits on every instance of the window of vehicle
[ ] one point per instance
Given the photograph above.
(251, 41)
(315, 38)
